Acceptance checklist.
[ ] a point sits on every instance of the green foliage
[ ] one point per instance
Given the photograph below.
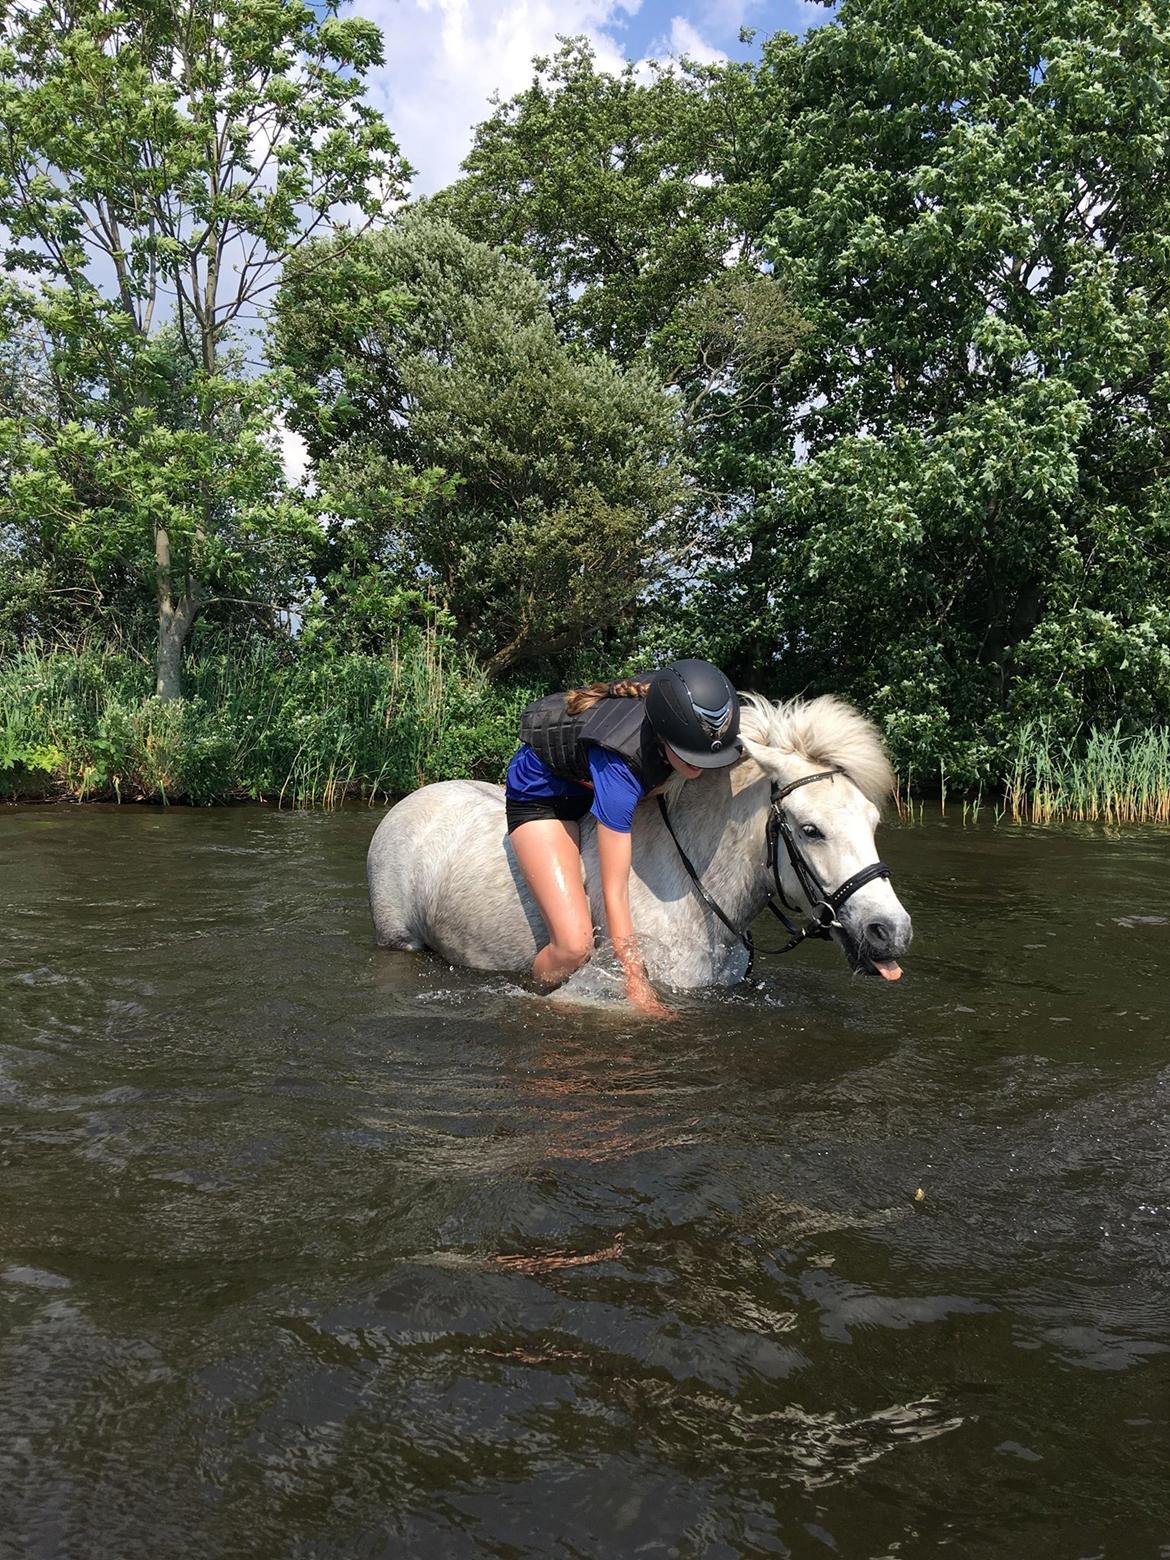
(640, 203)
(157, 134)
(904, 279)
(962, 509)
(941, 488)
(465, 453)
(259, 723)
(361, 609)
(624, 196)
(274, 724)
(1102, 775)
(90, 496)
(183, 151)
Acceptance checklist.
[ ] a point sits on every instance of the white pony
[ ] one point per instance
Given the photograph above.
(443, 875)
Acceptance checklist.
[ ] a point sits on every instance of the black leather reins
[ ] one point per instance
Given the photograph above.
(823, 918)
(744, 937)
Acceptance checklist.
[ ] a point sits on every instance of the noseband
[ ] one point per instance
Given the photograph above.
(823, 920)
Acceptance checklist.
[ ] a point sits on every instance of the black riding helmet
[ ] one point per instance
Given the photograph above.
(695, 710)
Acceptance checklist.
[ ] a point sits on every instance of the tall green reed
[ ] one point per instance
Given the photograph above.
(1104, 775)
(271, 723)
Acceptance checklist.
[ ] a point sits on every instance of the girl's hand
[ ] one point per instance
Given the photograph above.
(642, 994)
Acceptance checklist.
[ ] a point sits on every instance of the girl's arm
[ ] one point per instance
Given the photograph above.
(615, 851)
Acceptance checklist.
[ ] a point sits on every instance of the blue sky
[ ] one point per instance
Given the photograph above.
(717, 23)
(445, 58)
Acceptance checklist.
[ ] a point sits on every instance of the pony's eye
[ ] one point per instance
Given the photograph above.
(811, 832)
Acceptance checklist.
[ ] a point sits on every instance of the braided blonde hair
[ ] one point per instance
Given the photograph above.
(579, 700)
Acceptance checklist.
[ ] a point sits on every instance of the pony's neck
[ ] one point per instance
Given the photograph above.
(721, 823)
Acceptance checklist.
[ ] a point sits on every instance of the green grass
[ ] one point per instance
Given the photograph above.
(266, 724)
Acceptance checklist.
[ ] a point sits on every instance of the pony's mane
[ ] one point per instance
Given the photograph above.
(826, 731)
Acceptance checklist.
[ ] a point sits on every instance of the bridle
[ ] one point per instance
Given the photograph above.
(823, 919)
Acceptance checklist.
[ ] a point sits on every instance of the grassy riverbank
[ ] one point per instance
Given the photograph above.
(271, 725)
(265, 725)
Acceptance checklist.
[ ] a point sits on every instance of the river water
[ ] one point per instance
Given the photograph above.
(313, 1250)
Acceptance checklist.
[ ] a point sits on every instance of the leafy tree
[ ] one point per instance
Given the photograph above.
(160, 162)
(625, 197)
(943, 489)
(965, 516)
(34, 597)
(529, 491)
(77, 549)
(641, 204)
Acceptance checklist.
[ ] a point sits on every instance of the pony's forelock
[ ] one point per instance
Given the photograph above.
(826, 731)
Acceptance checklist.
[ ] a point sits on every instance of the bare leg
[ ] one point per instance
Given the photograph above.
(549, 853)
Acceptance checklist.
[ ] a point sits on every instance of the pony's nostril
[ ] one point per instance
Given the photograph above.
(878, 934)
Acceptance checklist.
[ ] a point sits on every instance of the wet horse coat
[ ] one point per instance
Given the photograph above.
(442, 873)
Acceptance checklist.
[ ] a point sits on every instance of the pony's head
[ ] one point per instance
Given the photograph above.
(831, 822)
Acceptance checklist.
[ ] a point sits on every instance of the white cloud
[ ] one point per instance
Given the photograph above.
(293, 450)
(445, 59)
(685, 39)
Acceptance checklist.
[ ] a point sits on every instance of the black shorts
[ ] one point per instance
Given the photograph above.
(570, 809)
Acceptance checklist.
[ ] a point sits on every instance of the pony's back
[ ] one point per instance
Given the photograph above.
(441, 875)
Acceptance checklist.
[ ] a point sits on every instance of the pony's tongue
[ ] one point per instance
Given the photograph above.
(887, 969)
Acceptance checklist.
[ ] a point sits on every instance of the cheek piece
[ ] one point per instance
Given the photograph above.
(823, 919)
(825, 905)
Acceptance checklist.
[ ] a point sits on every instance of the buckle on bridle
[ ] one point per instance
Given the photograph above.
(823, 919)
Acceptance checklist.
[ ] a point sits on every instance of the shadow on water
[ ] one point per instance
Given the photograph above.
(313, 1250)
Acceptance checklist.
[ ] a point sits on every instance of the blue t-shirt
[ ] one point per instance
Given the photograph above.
(616, 788)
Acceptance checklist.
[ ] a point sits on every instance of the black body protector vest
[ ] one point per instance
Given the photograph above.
(621, 725)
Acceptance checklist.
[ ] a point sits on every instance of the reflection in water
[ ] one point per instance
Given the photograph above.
(313, 1250)
(814, 1450)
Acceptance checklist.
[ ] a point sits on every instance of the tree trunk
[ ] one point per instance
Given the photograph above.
(174, 621)
(167, 682)
(167, 660)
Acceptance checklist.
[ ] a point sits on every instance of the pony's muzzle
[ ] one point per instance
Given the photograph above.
(877, 935)
(887, 936)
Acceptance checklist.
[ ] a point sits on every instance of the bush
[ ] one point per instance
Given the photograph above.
(262, 725)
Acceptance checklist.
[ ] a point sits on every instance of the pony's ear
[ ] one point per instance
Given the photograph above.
(768, 758)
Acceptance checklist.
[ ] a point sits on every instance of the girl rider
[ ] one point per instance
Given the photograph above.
(601, 750)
